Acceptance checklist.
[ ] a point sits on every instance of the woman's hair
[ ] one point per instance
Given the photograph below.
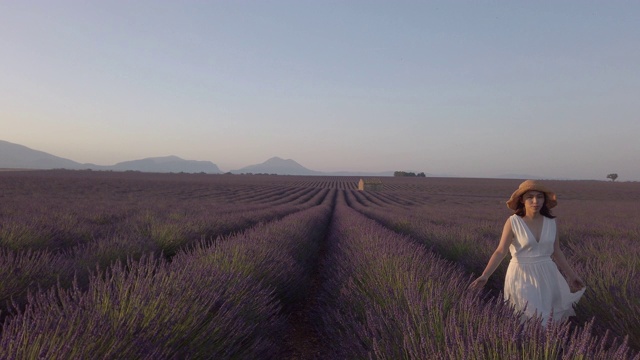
(544, 210)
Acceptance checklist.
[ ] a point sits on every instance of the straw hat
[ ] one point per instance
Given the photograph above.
(550, 197)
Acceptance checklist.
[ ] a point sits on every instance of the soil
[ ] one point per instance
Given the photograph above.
(303, 340)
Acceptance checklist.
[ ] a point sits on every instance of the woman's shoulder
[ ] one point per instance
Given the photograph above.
(510, 220)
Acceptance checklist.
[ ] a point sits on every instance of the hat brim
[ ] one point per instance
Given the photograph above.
(551, 199)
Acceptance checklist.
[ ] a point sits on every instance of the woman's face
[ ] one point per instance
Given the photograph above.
(533, 201)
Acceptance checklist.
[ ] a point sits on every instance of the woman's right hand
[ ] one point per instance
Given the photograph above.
(479, 283)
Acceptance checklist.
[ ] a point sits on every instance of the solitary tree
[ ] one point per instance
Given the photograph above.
(613, 177)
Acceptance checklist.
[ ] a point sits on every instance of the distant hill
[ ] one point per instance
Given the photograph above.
(14, 156)
(278, 166)
(167, 164)
(359, 173)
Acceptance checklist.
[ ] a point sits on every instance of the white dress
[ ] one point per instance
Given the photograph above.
(533, 284)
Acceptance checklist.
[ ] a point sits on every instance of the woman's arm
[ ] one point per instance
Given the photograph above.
(496, 258)
(574, 281)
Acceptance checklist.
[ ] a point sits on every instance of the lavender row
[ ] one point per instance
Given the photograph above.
(452, 230)
(217, 300)
(58, 221)
(386, 297)
(468, 235)
(588, 229)
(159, 234)
(32, 269)
(604, 245)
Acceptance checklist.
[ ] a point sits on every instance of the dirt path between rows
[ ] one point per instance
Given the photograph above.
(303, 342)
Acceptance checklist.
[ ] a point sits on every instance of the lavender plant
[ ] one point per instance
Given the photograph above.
(388, 298)
(468, 234)
(142, 246)
(29, 270)
(146, 310)
(220, 299)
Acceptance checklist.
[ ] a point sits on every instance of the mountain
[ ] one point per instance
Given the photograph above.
(14, 156)
(360, 173)
(167, 164)
(278, 166)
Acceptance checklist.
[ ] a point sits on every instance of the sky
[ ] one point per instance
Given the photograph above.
(451, 88)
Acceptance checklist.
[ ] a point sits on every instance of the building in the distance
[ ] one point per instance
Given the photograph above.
(370, 184)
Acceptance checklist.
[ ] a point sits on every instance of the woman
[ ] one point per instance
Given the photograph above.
(533, 283)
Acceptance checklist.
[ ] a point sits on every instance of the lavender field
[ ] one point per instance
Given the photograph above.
(110, 265)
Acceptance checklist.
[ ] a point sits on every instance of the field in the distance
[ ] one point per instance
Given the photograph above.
(133, 265)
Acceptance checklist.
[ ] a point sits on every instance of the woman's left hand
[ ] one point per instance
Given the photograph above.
(575, 284)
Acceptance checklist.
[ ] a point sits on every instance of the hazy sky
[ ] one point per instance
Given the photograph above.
(462, 88)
